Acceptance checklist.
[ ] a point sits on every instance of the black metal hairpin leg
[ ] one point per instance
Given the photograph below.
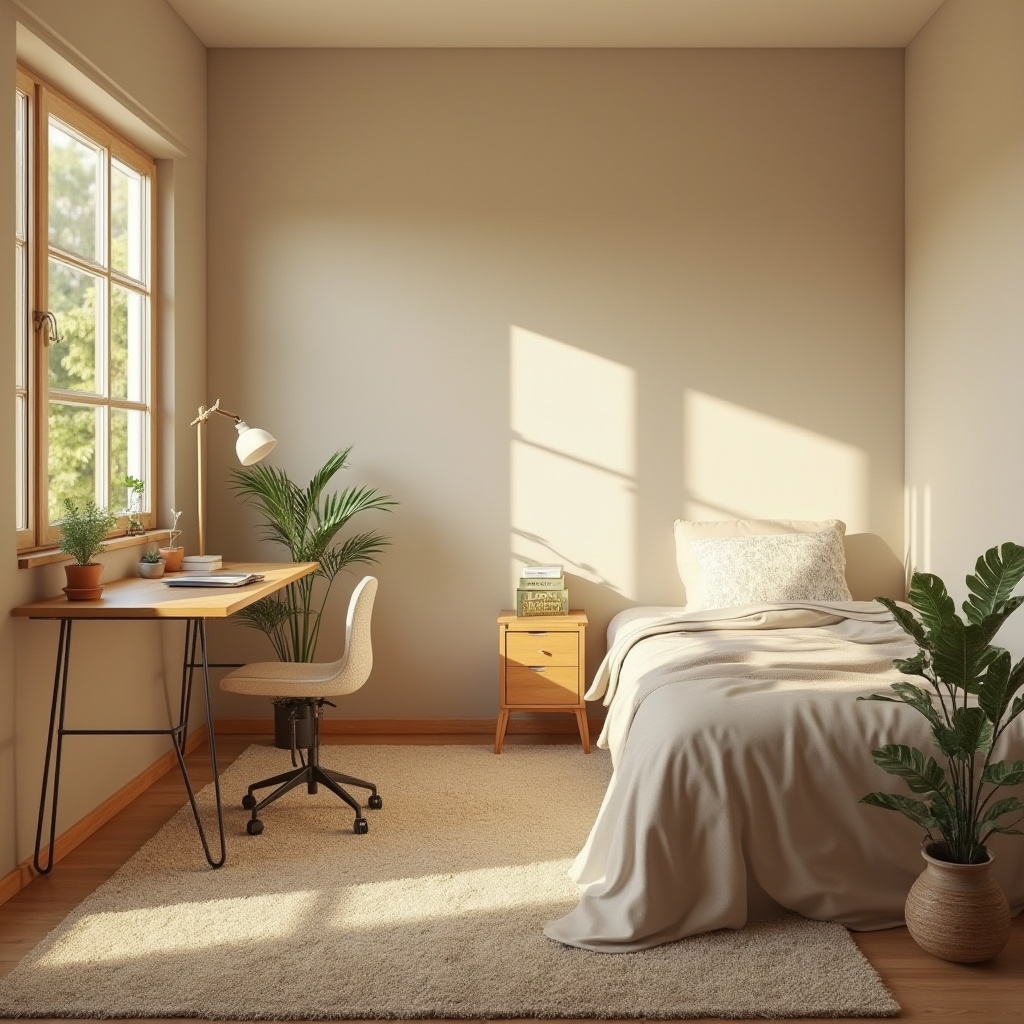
(195, 635)
(198, 627)
(188, 661)
(60, 693)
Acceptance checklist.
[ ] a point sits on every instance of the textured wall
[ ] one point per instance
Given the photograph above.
(965, 263)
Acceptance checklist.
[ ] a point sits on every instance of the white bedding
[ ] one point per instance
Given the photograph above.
(740, 755)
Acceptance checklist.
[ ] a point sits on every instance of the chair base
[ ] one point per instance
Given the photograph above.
(313, 775)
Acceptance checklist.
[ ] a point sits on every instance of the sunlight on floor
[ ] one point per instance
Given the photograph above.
(573, 461)
(268, 918)
(744, 464)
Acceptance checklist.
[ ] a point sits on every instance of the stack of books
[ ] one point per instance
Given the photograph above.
(201, 563)
(541, 591)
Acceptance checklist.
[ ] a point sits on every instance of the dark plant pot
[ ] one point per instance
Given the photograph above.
(83, 581)
(287, 713)
(957, 912)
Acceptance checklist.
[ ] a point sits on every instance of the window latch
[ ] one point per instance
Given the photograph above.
(47, 322)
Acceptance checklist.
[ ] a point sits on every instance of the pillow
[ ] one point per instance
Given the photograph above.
(772, 568)
(687, 531)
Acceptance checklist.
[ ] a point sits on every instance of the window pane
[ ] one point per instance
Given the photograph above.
(21, 480)
(20, 317)
(75, 187)
(129, 444)
(73, 443)
(127, 221)
(74, 298)
(21, 137)
(127, 344)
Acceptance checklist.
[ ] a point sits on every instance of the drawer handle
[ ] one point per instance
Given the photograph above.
(537, 632)
(547, 654)
(536, 668)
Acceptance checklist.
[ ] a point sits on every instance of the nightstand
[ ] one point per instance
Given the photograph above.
(541, 668)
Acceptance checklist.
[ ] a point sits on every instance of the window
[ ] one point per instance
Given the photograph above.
(84, 241)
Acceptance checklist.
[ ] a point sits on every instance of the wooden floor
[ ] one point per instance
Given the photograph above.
(928, 989)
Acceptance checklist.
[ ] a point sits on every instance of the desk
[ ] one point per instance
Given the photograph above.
(136, 598)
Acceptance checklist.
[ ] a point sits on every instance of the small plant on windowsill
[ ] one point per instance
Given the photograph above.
(136, 488)
(81, 536)
(172, 553)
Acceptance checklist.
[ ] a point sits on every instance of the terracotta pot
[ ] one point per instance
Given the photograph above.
(151, 570)
(172, 558)
(83, 581)
(957, 911)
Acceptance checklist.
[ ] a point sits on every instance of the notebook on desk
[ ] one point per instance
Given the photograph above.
(215, 579)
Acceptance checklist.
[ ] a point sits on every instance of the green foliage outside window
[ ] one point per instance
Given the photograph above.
(78, 299)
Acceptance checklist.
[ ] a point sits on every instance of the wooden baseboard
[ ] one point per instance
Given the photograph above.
(16, 880)
(539, 725)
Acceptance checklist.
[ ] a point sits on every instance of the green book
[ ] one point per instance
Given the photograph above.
(542, 583)
(542, 602)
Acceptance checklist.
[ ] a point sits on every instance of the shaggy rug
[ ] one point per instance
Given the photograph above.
(436, 912)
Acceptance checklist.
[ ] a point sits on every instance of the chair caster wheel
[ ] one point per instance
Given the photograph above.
(360, 827)
(254, 827)
(375, 803)
(248, 801)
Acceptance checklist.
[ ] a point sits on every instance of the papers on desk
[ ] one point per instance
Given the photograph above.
(215, 579)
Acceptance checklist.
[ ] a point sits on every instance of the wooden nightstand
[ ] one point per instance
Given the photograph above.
(541, 668)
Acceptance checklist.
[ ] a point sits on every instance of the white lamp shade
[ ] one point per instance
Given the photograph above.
(253, 444)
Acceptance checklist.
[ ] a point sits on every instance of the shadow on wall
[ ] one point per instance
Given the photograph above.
(578, 497)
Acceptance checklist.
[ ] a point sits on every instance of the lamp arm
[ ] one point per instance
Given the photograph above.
(205, 414)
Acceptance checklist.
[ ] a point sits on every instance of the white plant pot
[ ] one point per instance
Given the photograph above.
(151, 570)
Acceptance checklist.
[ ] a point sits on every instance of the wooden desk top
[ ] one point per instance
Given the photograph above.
(136, 598)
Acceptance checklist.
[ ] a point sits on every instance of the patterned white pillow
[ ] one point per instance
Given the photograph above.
(772, 568)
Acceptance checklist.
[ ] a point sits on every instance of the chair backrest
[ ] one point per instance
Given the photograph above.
(356, 662)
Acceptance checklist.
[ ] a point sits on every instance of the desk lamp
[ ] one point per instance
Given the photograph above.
(252, 445)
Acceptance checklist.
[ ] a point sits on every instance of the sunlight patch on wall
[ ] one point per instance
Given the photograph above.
(918, 527)
(573, 461)
(744, 464)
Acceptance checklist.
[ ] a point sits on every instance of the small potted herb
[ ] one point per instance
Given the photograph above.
(151, 565)
(81, 536)
(172, 554)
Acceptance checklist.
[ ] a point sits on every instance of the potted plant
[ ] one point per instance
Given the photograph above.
(151, 565)
(81, 536)
(970, 697)
(172, 554)
(136, 488)
(307, 522)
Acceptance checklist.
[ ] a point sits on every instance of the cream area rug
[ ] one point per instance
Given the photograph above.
(436, 912)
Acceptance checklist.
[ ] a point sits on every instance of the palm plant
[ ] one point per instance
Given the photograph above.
(307, 521)
(970, 700)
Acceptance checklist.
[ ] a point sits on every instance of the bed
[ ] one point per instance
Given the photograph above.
(740, 754)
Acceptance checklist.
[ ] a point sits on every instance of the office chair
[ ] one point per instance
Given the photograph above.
(303, 688)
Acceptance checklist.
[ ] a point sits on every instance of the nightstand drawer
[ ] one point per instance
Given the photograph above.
(558, 684)
(548, 648)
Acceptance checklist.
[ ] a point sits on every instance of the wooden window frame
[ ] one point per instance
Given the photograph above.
(44, 101)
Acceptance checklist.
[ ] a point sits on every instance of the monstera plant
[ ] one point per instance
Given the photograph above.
(307, 521)
(967, 689)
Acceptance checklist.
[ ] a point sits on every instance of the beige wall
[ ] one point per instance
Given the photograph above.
(556, 299)
(145, 56)
(965, 264)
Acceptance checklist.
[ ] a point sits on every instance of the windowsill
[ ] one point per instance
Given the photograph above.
(50, 556)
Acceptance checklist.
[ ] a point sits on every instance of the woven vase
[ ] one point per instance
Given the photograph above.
(957, 911)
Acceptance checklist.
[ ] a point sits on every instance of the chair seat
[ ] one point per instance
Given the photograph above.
(287, 679)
